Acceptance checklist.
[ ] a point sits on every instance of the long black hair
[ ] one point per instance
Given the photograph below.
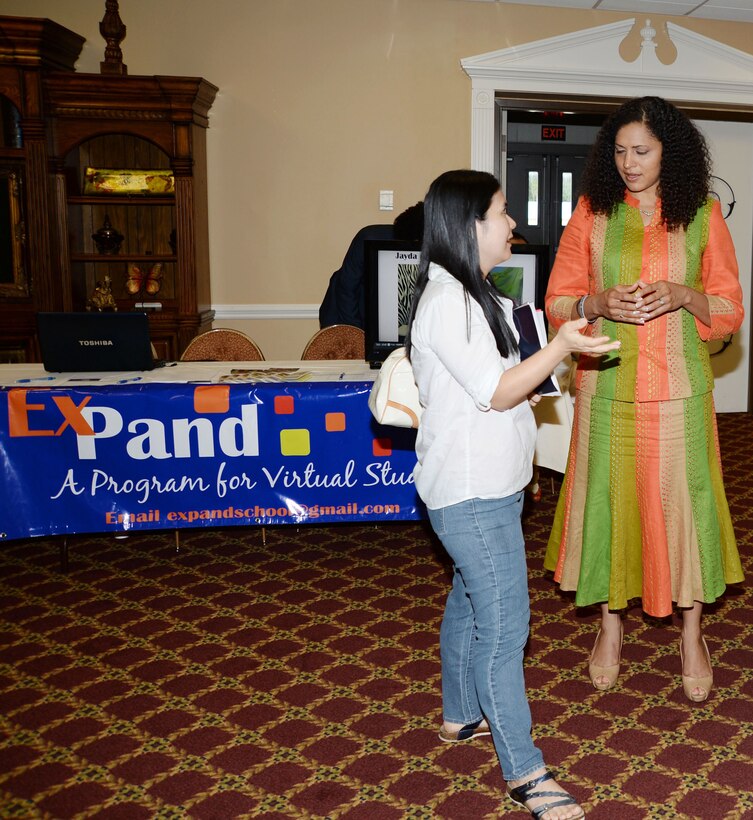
(685, 164)
(455, 202)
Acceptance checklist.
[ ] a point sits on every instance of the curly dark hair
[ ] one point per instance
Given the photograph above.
(684, 179)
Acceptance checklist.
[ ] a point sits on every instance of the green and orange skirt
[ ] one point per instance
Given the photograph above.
(643, 513)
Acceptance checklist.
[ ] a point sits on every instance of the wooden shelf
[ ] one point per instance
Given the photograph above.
(136, 199)
(122, 257)
(125, 305)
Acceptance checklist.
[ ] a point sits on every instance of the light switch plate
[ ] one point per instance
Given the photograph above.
(386, 199)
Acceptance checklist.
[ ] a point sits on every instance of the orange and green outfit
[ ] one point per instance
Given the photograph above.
(643, 512)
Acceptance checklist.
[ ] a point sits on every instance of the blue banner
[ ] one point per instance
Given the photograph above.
(163, 456)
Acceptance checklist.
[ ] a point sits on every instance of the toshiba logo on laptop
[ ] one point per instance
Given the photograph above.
(94, 342)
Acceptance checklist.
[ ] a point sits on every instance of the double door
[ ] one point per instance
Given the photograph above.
(543, 184)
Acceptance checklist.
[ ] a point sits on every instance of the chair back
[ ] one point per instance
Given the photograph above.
(336, 342)
(222, 344)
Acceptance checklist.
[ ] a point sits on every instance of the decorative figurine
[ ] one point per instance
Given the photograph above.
(107, 239)
(112, 29)
(102, 298)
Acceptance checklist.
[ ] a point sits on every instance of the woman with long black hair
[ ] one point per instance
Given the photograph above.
(475, 450)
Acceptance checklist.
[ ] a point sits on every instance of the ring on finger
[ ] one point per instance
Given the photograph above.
(661, 300)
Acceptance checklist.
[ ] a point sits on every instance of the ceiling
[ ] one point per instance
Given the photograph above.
(740, 11)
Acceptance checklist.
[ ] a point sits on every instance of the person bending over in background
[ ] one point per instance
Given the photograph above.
(345, 300)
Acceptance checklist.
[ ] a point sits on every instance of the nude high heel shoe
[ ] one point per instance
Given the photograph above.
(703, 684)
(609, 673)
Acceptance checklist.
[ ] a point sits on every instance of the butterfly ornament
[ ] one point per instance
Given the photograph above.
(139, 279)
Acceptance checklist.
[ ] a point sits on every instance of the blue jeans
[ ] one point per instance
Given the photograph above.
(485, 626)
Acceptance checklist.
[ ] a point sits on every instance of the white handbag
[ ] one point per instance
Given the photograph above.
(394, 397)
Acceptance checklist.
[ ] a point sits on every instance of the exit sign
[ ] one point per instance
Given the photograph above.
(553, 133)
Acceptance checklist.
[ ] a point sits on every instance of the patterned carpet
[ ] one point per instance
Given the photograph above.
(301, 680)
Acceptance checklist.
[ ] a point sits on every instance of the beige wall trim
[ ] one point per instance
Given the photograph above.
(232, 312)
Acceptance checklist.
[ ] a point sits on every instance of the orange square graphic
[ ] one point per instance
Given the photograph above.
(284, 405)
(211, 398)
(334, 422)
(382, 446)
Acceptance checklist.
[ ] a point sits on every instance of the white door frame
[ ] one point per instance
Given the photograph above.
(707, 79)
(705, 76)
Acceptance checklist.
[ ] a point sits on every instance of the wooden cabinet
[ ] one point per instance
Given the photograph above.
(29, 48)
(140, 124)
(126, 123)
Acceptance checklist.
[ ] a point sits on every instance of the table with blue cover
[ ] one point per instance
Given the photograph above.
(198, 444)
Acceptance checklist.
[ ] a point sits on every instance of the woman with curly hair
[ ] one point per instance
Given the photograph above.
(647, 259)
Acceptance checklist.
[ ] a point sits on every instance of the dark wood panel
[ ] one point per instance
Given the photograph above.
(72, 121)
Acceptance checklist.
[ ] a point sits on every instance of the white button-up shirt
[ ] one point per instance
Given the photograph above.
(464, 448)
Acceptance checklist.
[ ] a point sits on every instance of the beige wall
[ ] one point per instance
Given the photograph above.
(322, 103)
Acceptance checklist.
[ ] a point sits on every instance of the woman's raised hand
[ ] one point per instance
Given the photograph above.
(570, 337)
(515, 383)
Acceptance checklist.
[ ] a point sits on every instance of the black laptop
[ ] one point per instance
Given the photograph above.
(87, 342)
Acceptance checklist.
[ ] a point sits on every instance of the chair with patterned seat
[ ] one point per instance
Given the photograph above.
(222, 344)
(336, 342)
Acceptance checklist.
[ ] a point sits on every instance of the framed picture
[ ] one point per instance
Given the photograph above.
(524, 276)
(155, 182)
(391, 267)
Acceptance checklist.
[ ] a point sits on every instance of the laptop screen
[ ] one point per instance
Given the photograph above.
(88, 342)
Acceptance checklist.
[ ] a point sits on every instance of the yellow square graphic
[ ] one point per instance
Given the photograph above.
(295, 442)
(334, 422)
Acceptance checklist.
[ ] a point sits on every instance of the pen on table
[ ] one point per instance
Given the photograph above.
(125, 381)
(36, 379)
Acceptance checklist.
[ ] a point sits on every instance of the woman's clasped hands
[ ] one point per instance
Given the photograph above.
(638, 303)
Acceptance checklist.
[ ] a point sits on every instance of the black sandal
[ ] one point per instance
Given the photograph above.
(467, 732)
(528, 791)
